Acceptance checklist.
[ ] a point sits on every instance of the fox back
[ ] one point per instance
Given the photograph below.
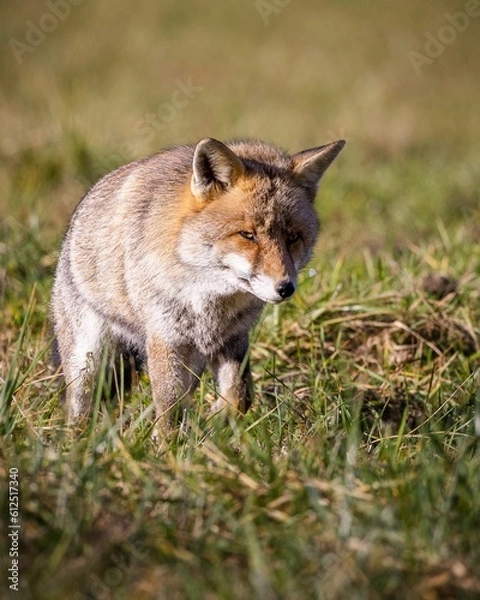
(171, 258)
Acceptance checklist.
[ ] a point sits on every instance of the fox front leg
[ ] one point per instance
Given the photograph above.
(80, 340)
(231, 370)
(174, 374)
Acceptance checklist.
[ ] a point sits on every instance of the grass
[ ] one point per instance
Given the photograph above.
(357, 472)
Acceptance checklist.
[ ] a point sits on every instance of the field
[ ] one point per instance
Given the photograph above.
(356, 475)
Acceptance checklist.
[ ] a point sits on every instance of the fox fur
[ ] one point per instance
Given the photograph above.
(171, 258)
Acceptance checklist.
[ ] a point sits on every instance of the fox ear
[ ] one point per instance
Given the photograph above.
(215, 168)
(310, 165)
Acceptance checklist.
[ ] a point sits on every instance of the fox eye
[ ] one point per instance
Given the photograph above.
(293, 239)
(248, 235)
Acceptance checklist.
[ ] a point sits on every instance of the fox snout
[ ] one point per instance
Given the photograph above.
(285, 289)
(272, 285)
(269, 290)
(275, 276)
(272, 290)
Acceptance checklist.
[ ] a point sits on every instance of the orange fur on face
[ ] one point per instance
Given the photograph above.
(279, 215)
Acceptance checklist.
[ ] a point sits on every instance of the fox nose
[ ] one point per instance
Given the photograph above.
(285, 289)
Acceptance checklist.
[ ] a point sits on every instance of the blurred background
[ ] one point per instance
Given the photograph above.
(87, 86)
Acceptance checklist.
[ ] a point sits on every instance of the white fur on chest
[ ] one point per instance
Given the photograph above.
(201, 307)
(204, 320)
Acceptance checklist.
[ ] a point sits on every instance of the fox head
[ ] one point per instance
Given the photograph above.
(251, 219)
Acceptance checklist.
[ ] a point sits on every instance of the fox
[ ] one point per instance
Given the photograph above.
(170, 260)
